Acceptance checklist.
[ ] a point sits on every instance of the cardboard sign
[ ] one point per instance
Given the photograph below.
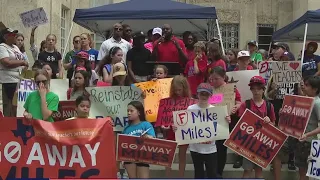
(65, 111)
(113, 101)
(265, 69)
(34, 18)
(145, 150)
(314, 163)
(255, 140)
(69, 149)
(224, 96)
(154, 92)
(242, 79)
(295, 114)
(168, 105)
(201, 125)
(286, 71)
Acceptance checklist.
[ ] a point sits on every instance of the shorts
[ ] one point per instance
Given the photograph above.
(248, 165)
(9, 89)
(301, 152)
(138, 164)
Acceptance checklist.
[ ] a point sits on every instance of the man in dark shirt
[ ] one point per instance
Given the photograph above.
(137, 57)
(311, 62)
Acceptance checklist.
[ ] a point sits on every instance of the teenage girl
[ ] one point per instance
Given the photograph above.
(42, 103)
(232, 57)
(160, 72)
(215, 58)
(104, 69)
(217, 79)
(82, 60)
(138, 126)
(81, 81)
(51, 55)
(179, 89)
(47, 67)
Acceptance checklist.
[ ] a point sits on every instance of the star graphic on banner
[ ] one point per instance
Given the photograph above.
(233, 81)
(25, 132)
(258, 124)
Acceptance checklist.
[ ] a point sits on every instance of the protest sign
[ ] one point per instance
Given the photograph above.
(265, 69)
(26, 86)
(255, 140)
(67, 149)
(145, 150)
(224, 96)
(34, 18)
(294, 115)
(168, 105)
(201, 125)
(286, 71)
(113, 101)
(65, 111)
(154, 92)
(314, 162)
(242, 79)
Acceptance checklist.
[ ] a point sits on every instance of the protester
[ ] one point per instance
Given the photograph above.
(232, 59)
(33, 48)
(48, 67)
(262, 108)
(189, 39)
(51, 55)
(156, 35)
(67, 62)
(149, 36)
(115, 40)
(160, 72)
(42, 103)
(127, 33)
(196, 68)
(82, 61)
(20, 44)
(83, 105)
(214, 57)
(253, 50)
(86, 46)
(12, 61)
(243, 61)
(120, 75)
(138, 126)
(279, 49)
(137, 58)
(80, 82)
(311, 62)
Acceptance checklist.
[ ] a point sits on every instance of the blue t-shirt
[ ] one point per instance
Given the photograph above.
(93, 57)
(310, 65)
(138, 129)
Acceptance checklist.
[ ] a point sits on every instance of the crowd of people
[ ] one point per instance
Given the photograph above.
(123, 60)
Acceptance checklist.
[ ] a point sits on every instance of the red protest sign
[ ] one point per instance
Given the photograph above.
(168, 105)
(68, 149)
(66, 110)
(145, 150)
(295, 114)
(255, 140)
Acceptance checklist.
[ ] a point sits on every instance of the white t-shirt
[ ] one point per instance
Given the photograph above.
(10, 75)
(202, 148)
(111, 42)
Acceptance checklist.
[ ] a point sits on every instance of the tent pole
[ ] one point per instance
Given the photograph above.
(304, 43)
(67, 42)
(219, 33)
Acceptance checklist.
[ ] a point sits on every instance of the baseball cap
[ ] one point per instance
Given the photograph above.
(8, 31)
(257, 80)
(157, 30)
(243, 54)
(81, 69)
(83, 55)
(282, 45)
(205, 87)
(253, 42)
(289, 55)
(119, 69)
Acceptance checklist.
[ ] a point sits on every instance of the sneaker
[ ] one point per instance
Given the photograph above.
(125, 175)
(237, 164)
(291, 166)
(119, 176)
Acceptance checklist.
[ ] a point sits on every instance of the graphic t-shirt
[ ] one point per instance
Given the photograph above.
(256, 57)
(33, 104)
(310, 65)
(93, 57)
(51, 58)
(138, 129)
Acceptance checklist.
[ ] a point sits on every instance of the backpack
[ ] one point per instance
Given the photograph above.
(248, 106)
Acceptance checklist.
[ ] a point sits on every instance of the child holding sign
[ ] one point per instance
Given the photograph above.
(138, 126)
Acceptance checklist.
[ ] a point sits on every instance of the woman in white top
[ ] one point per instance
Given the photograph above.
(12, 61)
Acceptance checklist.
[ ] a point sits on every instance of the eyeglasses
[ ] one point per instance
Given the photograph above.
(77, 41)
(118, 29)
(43, 81)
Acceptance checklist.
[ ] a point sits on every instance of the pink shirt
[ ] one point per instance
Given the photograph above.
(149, 46)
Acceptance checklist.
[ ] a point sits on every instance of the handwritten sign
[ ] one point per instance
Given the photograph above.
(201, 125)
(286, 71)
(295, 114)
(255, 140)
(154, 91)
(314, 163)
(65, 111)
(168, 105)
(145, 150)
(34, 18)
(265, 69)
(224, 96)
(113, 101)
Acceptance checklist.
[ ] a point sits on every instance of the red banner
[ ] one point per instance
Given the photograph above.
(168, 105)
(255, 140)
(145, 150)
(66, 110)
(68, 149)
(295, 114)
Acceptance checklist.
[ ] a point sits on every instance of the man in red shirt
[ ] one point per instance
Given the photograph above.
(169, 48)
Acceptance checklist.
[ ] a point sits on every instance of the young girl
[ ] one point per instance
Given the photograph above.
(196, 67)
(82, 61)
(243, 61)
(215, 57)
(138, 126)
(120, 75)
(20, 44)
(105, 67)
(160, 72)
(233, 62)
(51, 55)
(81, 81)
(86, 45)
(42, 103)
(47, 67)
(217, 79)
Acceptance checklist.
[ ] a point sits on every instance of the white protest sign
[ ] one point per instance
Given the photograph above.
(242, 79)
(265, 69)
(201, 125)
(314, 164)
(34, 18)
(286, 71)
(26, 86)
(113, 101)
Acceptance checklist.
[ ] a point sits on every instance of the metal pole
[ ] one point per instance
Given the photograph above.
(220, 37)
(304, 43)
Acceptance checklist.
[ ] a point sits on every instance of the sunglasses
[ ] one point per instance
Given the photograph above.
(77, 41)
(43, 81)
(118, 29)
